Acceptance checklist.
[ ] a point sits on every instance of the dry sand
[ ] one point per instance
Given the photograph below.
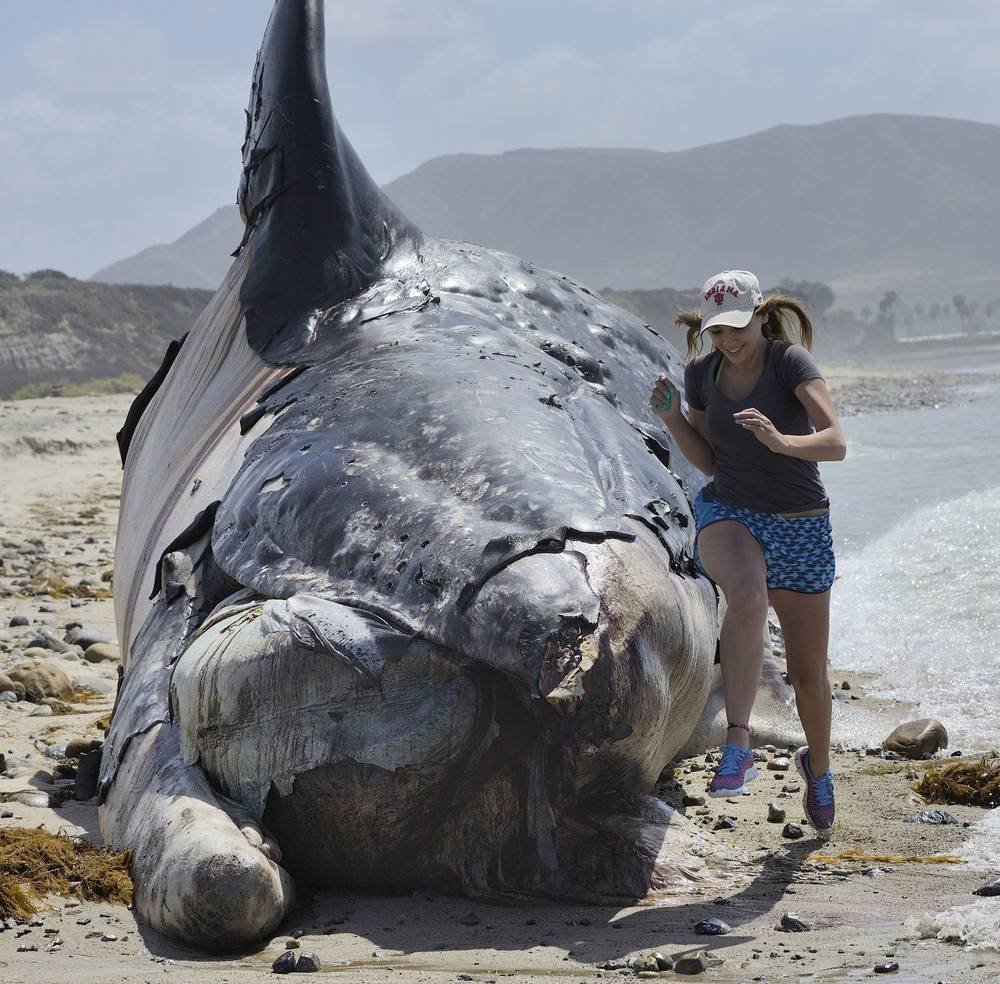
(61, 479)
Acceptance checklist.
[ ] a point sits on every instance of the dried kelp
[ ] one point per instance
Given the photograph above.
(974, 783)
(34, 863)
(857, 853)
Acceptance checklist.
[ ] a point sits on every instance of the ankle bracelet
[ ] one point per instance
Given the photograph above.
(742, 727)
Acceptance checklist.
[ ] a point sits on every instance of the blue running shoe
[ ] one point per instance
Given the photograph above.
(734, 771)
(817, 800)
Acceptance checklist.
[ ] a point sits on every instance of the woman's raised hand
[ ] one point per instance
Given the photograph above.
(665, 398)
(761, 427)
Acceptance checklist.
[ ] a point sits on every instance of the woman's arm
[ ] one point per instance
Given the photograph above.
(826, 444)
(689, 433)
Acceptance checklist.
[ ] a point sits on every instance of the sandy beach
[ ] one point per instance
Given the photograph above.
(61, 484)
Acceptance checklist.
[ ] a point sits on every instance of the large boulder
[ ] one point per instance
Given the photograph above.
(917, 739)
(41, 680)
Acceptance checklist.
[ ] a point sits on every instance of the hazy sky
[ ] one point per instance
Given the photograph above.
(121, 122)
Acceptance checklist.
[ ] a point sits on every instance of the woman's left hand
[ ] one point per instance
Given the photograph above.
(761, 428)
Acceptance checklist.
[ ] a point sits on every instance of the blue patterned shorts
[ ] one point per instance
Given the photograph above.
(798, 550)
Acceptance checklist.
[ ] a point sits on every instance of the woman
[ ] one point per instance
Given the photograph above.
(759, 418)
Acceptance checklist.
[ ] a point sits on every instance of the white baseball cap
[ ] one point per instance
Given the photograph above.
(730, 298)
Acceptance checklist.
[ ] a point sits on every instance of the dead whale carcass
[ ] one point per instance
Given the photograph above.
(403, 571)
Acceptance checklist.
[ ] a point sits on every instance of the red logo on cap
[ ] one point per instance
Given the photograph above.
(718, 292)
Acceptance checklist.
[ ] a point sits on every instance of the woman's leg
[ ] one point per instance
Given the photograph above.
(805, 623)
(734, 560)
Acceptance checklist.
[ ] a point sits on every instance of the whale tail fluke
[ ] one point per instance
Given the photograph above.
(318, 227)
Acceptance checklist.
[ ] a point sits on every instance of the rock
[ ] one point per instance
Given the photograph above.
(75, 747)
(292, 944)
(725, 823)
(42, 710)
(85, 638)
(693, 801)
(34, 798)
(790, 923)
(8, 696)
(308, 963)
(792, 831)
(102, 652)
(887, 967)
(663, 962)
(778, 764)
(645, 962)
(845, 686)
(18, 620)
(791, 787)
(932, 817)
(614, 965)
(692, 964)
(285, 964)
(87, 775)
(40, 680)
(36, 652)
(712, 927)
(775, 813)
(992, 887)
(47, 639)
(917, 739)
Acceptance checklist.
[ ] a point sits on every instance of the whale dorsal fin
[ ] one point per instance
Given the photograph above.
(318, 228)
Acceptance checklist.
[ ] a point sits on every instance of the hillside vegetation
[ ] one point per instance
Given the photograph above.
(83, 336)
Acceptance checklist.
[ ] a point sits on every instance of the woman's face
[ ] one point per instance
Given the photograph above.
(741, 346)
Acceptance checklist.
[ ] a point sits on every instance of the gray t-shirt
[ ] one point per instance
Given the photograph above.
(746, 472)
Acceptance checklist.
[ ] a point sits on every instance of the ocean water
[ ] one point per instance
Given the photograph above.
(916, 517)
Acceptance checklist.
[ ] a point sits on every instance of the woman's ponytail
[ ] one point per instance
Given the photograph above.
(778, 311)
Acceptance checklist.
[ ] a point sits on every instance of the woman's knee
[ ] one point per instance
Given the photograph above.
(809, 680)
(747, 599)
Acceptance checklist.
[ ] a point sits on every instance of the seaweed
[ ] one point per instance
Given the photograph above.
(857, 853)
(974, 783)
(34, 863)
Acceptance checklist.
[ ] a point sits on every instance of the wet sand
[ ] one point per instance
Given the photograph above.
(61, 481)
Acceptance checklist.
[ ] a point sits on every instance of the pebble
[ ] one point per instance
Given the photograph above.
(692, 964)
(778, 764)
(845, 685)
(725, 823)
(84, 638)
(790, 923)
(285, 964)
(992, 887)
(645, 963)
(83, 921)
(712, 927)
(791, 787)
(663, 962)
(28, 948)
(308, 963)
(292, 944)
(109, 938)
(18, 620)
(792, 831)
(887, 967)
(102, 652)
(8, 696)
(775, 813)
(693, 801)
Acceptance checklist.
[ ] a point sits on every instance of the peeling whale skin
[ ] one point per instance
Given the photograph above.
(403, 573)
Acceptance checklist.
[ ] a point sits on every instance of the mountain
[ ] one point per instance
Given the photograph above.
(54, 329)
(200, 258)
(866, 203)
